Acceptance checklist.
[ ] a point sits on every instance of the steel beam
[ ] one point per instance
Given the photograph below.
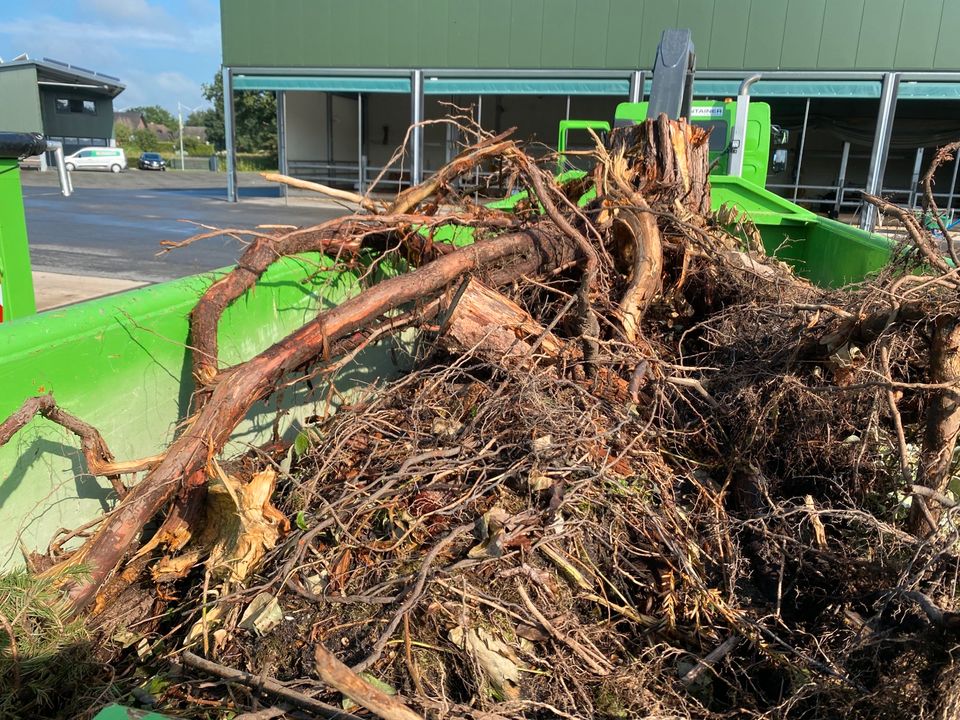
(842, 177)
(416, 134)
(636, 86)
(361, 180)
(476, 192)
(229, 134)
(738, 146)
(282, 137)
(953, 183)
(803, 141)
(329, 107)
(438, 72)
(920, 76)
(881, 146)
(915, 177)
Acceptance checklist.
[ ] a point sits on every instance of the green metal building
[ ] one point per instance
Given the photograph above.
(868, 87)
(65, 103)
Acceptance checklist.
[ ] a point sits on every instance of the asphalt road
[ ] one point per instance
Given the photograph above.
(112, 224)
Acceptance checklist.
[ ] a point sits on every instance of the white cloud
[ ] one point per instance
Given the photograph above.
(140, 11)
(159, 88)
(184, 39)
(132, 39)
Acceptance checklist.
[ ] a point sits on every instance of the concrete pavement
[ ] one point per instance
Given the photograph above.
(104, 239)
(53, 290)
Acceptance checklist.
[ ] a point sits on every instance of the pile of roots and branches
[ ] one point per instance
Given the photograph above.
(638, 468)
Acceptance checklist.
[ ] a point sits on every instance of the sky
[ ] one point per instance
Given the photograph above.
(162, 50)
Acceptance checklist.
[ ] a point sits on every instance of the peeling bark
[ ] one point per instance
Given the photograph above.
(942, 421)
(236, 389)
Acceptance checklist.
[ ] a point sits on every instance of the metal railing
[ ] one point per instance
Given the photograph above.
(848, 197)
(359, 177)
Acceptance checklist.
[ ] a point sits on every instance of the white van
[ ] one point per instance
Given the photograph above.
(97, 158)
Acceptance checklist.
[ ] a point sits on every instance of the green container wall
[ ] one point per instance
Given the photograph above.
(121, 363)
(117, 712)
(827, 252)
(16, 281)
(560, 34)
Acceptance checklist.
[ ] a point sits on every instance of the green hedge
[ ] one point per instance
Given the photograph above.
(246, 162)
(254, 162)
(170, 150)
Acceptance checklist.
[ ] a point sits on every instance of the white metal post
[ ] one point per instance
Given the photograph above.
(282, 137)
(476, 192)
(180, 122)
(360, 170)
(953, 182)
(329, 106)
(842, 177)
(803, 140)
(416, 135)
(636, 86)
(229, 137)
(739, 140)
(881, 146)
(915, 177)
(568, 107)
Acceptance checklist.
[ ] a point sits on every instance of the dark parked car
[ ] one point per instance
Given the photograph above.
(151, 161)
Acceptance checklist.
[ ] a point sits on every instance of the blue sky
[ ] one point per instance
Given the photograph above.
(162, 50)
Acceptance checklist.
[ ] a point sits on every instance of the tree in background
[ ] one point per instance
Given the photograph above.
(145, 140)
(198, 118)
(256, 118)
(121, 134)
(157, 114)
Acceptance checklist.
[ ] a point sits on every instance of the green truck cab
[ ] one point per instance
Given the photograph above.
(827, 252)
(713, 115)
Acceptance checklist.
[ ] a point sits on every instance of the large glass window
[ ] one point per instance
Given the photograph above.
(76, 105)
(718, 138)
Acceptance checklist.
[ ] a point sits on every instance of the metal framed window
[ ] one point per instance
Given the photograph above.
(76, 105)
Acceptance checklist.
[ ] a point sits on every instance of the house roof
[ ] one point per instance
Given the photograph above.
(56, 73)
(131, 118)
(161, 131)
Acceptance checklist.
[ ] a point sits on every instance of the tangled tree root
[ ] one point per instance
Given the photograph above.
(640, 469)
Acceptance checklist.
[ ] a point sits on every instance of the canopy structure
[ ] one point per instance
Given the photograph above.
(885, 89)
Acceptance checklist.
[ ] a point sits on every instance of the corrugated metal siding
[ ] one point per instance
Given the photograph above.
(615, 34)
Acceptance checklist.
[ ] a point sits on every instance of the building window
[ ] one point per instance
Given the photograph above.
(74, 105)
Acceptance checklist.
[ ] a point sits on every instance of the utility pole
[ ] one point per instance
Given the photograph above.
(180, 122)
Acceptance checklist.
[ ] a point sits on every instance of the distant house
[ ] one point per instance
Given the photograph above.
(64, 102)
(131, 119)
(198, 132)
(163, 133)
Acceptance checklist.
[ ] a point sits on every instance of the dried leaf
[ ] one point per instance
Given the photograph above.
(538, 481)
(262, 614)
(499, 664)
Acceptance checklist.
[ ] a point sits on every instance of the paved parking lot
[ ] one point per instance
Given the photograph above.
(112, 225)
